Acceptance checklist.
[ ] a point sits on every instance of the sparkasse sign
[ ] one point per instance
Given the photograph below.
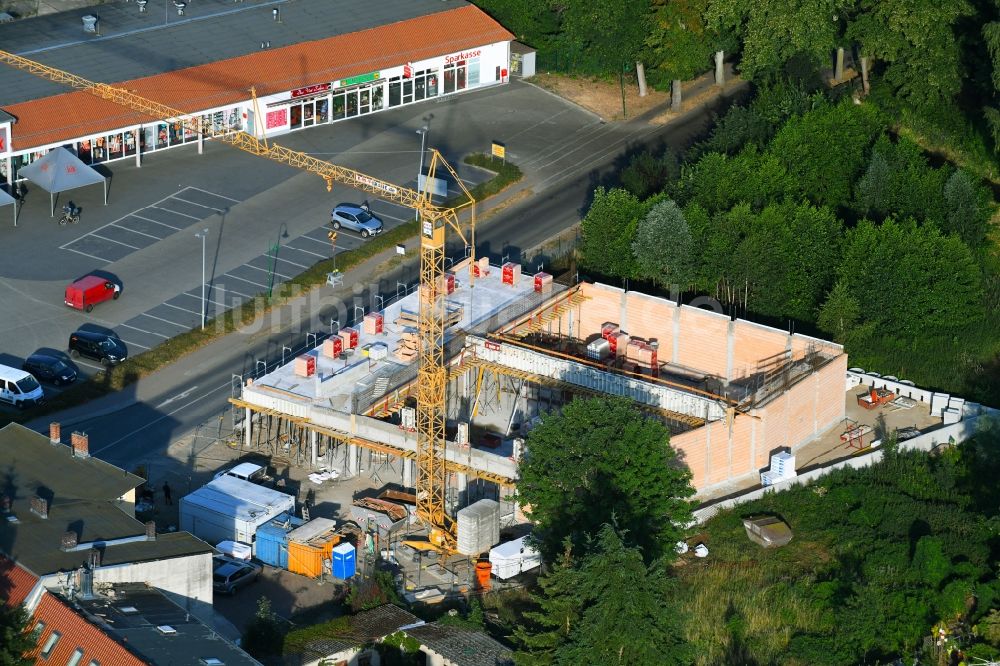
(464, 55)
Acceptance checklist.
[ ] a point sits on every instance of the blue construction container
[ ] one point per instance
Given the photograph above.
(271, 544)
(344, 561)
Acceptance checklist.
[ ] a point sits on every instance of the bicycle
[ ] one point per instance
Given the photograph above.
(70, 214)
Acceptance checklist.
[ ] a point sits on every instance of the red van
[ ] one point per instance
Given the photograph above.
(88, 291)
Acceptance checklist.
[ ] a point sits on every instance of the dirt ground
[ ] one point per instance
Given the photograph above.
(604, 97)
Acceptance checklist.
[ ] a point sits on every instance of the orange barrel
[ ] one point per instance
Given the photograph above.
(483, 570)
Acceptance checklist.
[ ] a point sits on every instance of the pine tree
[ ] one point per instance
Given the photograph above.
(15, 639)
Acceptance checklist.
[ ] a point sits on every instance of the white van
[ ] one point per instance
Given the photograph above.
(19, 388)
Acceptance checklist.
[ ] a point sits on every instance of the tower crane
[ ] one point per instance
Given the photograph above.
(434, 220)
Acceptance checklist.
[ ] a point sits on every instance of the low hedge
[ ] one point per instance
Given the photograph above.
(136, 367)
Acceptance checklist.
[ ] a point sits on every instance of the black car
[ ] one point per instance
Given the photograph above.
(103, 347)
(50, 369)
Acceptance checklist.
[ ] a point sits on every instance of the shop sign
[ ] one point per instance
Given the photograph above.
(277, 118)
(311, 90)
(464, 55)
(3, 139)
(376, 184)
(408, 70)
(499, 150)
(360, 78)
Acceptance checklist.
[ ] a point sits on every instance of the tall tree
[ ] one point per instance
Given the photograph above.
(663, 246)
(599, 461)
(612, 609)
(968, 208)
(679, 42)
(614, 32)
(608, 230)
(991, 35)
(917, 41)
(16, 640)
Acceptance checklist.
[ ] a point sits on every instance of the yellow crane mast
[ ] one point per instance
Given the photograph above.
(432, 374)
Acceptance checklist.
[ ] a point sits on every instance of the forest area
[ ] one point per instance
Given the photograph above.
(861, 212)
(851, 196)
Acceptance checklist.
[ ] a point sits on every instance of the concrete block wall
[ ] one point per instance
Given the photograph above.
(187, 580)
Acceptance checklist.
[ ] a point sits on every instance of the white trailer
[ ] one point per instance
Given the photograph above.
(512, 557)
(231, 509)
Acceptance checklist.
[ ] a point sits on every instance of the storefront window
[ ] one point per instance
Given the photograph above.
(129, 139)
(100, 150)
(419, 88)
(378, 96)
(190, 132)
(365, 100)
(235, 119)
(352, 103)
(395, 91)
(339, 107)
(115, 146)
(473, 73)
(307, 114)
(176, 133)
(449, 79)
(83, 151)
(161, 135)
(323, 110)
(296, 115)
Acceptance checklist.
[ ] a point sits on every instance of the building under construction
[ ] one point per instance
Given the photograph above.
(732, 392)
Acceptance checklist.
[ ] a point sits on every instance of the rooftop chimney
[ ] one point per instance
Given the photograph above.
(55, 433)
(39, 507)
(151, 530)
(95, 558)
(81, 445)
(68, 540)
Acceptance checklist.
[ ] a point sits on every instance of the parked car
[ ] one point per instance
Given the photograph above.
(90, 290)
(103, 347)
(247, 472)
(230, 574)
(356, 218)
(19, 388)
(49, 369)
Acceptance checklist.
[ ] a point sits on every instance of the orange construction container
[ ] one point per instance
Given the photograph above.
(483, 570)
(310, 545)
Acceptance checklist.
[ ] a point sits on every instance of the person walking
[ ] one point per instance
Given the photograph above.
(166, 493)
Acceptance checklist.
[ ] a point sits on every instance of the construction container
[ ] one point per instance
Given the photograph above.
(543, 281)
(482, 267)
(511, 273)
(309, 545)
(332, 347)
(512, 557)
(231, 508)
(373, 323)
(478, 527)
(598, 349)
(349, 337)
(483, 570)
(271, 546)
(344, 563)
(305, 365)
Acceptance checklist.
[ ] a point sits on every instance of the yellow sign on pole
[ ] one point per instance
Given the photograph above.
(499, 150)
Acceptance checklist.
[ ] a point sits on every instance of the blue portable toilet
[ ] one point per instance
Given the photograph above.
(343, 561)
(271, 544)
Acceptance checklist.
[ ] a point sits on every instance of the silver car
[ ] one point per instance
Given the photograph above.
(229, 574)
(356, 218)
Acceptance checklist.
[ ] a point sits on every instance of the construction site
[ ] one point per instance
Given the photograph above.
(517, 346)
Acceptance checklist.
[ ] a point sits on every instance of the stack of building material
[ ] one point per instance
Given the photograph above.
(511, 273)
(394, 511)
(543, 282)
(305, 365)
(643, 354)
(373, 323)
(599, 349)
(447, 284)
(377, 351)
(332, 347)
(617, 343)
(406, 350)
(309, 545)
(407, 319)
(482, 267)
(349, 336)
(478, 527)
(607, 328)
(782, 467)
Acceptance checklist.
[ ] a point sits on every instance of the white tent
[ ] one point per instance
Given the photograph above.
(7, 199)
(60, 170)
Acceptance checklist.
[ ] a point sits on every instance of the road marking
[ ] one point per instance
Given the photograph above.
(112, 240)
(291, 262)
(176, 307)
(165, 416)
(256, 284)
(316, 240)
(224, 288)
(394, 217)
(198, 297)
(118, 226)
(165, 321)
(136, 328)
(315, 254)
(102, 259)
(179, 396)
(195, 203)
(174, 212)
(134, 344)
(169, 226)
(221, 196)
(77, 361)
(266, 270)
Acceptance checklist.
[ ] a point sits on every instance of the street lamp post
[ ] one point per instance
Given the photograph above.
(423, 142)
(203, 236)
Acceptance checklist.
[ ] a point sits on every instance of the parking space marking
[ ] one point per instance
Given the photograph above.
(316, 240)
(187, 293)
(165, 321)
(177, 307)
(256, 284)
(77, 361)
(136, 328)
(195, 203)
(223, 288)
(393, 217)
(174, 212)
(112, 240)
(265, 270)
(315, 254)
(155, 221)
(292, 262)
(118, 226)
(221, 196)
(134, 344)
(69, 249)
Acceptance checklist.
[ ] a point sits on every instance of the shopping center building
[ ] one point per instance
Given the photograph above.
(308, 62)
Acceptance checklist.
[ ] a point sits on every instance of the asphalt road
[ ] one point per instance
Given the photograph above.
(193, 393)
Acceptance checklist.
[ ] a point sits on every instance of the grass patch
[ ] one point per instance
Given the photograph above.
(297, 640)
(141, 365)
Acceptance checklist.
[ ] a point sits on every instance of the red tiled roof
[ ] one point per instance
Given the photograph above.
(76, 632)
(76, 114)
(16, 582)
